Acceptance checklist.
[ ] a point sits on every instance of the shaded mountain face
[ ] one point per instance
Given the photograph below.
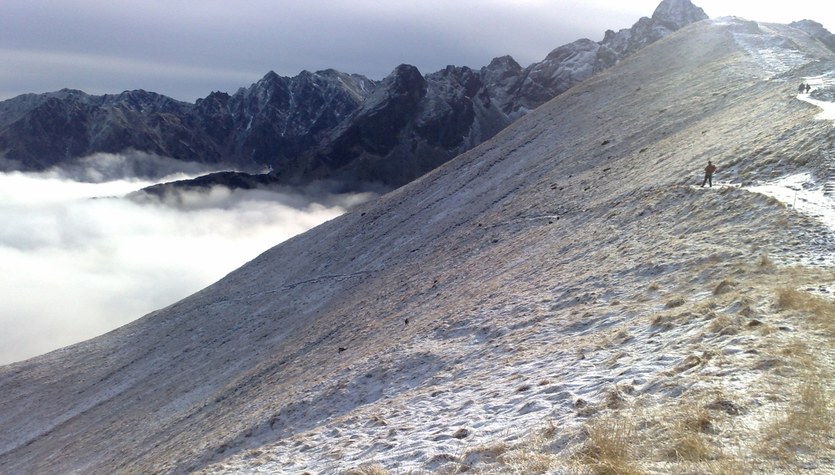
(323, 125)
(563, 234)
(270, 122)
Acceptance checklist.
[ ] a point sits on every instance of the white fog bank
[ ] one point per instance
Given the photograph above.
(78, 260)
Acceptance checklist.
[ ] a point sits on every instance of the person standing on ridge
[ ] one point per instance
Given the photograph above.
(710, 169)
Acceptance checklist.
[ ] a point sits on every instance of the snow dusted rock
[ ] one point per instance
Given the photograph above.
(575, 62)
(36, 131)
(817, 31)
(676, 14)
(278, 118)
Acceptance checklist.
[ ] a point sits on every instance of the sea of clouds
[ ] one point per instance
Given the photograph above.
(80, 259)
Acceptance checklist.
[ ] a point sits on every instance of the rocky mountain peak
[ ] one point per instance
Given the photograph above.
(504, 63)
(817, 31)
(406, 79)
(675, 14)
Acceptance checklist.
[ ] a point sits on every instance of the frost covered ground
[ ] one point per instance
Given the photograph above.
(562, 299)
(692, 375)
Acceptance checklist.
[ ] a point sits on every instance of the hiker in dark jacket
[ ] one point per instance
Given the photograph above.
(710, 169)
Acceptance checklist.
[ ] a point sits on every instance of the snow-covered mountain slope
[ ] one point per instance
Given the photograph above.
(560, 299)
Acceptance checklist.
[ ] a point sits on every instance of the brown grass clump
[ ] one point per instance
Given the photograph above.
(724, 325)
(531, 460)
(488, 453)
(609, 448)
(687, 436)
(820, 309)
(806, 426)
(530, 455)
(372, 469)
(690, 447)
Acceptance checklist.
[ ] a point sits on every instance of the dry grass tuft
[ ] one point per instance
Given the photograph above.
(820, 309)
(531, 460)
(690, 447)
(530, 455)
(724, 325)
(609, 447)
(371, 469)
(487, 453)
(687, 435)
(806, 426)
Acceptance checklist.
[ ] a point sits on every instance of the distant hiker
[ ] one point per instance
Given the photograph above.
(801, 88)
(709, 170)
(808, 88)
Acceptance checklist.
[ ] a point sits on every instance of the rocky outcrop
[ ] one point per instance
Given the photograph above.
(817, 31)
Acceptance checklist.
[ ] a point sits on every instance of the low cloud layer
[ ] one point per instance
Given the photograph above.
(79, 260)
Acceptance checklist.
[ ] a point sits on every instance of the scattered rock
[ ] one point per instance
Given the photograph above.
(726, 406)
(461, 433)
(724, 287)
(688, 363)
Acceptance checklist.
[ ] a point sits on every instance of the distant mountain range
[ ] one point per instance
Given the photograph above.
(326, 125)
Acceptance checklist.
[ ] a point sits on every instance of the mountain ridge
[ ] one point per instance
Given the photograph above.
(316, 125)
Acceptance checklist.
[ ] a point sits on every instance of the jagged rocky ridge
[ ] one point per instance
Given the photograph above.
(323, 125)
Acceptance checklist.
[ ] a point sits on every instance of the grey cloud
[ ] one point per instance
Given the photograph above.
(103, 167)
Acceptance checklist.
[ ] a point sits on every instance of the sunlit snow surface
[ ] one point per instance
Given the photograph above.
(800, 190)
(770, 49)
(803, 194)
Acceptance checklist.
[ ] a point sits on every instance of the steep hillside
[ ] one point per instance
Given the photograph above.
(559, 299)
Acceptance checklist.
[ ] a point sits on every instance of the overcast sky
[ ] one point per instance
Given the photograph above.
(188, 48)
